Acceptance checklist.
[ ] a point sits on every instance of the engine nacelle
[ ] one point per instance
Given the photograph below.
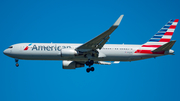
(68, 52)
(71, 65)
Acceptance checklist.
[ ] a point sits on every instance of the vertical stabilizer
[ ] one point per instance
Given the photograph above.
(162, 37)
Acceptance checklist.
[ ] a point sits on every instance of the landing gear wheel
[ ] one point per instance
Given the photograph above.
(88, 70)
(17, 64)
(91, 62)
(87, 63)
(16, 60)
(92, 69)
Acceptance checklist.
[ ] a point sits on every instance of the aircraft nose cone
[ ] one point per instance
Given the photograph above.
(7, 51)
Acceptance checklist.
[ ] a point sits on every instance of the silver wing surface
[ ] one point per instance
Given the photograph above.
(99, 41)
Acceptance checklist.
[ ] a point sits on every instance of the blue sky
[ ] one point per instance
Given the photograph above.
(76, 21)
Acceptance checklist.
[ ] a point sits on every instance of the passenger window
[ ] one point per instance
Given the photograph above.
(10, 47)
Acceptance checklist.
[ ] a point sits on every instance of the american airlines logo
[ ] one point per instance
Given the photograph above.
(27, 47)
(47, 48)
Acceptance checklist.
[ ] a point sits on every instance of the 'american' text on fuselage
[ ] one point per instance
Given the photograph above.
(49, 48)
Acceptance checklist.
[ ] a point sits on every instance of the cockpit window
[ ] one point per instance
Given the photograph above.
(10, 47)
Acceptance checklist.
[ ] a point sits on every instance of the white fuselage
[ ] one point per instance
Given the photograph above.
(96, 51)
(53, 51)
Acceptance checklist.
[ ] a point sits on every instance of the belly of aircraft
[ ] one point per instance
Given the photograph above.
(56, 55)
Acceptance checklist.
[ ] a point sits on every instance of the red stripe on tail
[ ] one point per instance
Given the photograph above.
(168, 33)
(164, 40)
(148, 52)
(156, 46)
(176, 20)
(172, 27)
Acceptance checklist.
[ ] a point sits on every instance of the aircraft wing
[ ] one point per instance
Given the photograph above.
(99, 41)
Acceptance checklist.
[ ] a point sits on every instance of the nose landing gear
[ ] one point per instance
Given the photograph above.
(90, 63)
(16, 60)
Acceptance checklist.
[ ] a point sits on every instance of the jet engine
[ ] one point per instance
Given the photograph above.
(68, 53)
(71, 65)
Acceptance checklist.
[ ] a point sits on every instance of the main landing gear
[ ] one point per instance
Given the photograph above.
(16, 60)
(90, 69)
(90, 63)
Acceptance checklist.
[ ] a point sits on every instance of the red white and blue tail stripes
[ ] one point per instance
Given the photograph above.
(165, 33)
(162, 37)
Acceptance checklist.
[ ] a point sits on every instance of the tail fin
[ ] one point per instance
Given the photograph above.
(162, 37)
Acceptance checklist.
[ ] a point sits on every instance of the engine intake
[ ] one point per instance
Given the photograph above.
(71, 65)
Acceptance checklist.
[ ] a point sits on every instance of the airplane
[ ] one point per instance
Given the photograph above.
(96, 51)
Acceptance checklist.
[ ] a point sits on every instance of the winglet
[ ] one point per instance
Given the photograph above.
(118, 21)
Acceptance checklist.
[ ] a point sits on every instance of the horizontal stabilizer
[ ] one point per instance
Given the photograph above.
(165, 47)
